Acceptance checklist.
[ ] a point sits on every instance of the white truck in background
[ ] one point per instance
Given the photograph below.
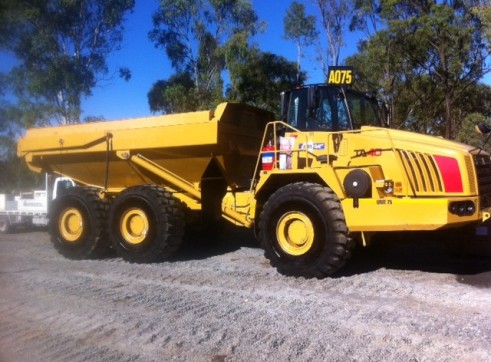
(30, 208)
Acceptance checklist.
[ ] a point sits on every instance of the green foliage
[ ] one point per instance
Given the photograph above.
(201, 38)
(260, 80)
(16, 177)
(483, 11)
(469, 135)
(174, 26)
(377, 67)
(177, 94)
(426, 60)
(14, 174)
(365, 16)
(442, 41)
(62, 47)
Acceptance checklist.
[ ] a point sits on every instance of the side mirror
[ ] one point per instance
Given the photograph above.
(483, 129)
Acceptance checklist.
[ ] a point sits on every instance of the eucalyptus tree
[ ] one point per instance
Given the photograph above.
(299, 27)
(260, 80)
(197, 35)
(483, 10)
(335, 18)
(441, 40)
(174, 95)
(365, 16)
(61, 47)
(426, 58)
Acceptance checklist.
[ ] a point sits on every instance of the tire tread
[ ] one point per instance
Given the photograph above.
(341, 242)
(97, 243)
(169, 232)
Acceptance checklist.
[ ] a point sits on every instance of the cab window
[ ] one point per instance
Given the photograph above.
(297, 108)
(364, 111)
(325, 108)
(330, 112)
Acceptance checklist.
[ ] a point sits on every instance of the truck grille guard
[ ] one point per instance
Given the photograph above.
(425, 178)
(422, 172)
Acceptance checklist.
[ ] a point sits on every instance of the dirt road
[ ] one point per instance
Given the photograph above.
(414, 301)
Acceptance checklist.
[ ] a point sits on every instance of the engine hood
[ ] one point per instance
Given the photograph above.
(413, 140)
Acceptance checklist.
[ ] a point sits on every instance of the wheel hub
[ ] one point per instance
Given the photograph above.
(295, 233)
(134, 226)
(71, 224)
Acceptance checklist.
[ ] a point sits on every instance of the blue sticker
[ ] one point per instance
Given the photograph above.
(313, 146)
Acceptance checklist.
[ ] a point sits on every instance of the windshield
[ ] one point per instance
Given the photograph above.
(325, 108)
(364, 111)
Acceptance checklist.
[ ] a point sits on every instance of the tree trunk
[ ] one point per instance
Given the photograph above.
(448, 115)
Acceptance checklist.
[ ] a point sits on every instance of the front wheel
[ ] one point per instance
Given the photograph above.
(147, 224)
(303, 231)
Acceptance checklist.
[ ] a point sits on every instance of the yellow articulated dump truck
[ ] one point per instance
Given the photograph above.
(312, 185)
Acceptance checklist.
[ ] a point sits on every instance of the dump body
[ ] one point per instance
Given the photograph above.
(97, 154)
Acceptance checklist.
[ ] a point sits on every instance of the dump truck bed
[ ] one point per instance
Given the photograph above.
(94, 153)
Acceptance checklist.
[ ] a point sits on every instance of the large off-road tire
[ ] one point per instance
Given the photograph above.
(5, 226)
(303, 231)
(77, 224)
(146, 223)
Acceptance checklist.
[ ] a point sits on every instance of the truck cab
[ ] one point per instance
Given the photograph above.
(335, 142)
(330, 108)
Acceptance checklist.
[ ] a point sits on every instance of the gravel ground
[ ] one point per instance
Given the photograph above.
(408, 300)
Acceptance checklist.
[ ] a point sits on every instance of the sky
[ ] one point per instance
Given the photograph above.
(116, 99)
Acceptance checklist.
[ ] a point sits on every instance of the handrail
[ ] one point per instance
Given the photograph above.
(271, 129)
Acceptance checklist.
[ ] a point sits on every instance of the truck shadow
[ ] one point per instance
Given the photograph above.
(228, 239)
(424, 251)
(417, 251)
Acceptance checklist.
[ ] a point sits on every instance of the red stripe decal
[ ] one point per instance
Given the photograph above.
(449, 168)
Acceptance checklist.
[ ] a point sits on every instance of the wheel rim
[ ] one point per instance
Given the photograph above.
(134, 226)
(295, 233)
(71, 224)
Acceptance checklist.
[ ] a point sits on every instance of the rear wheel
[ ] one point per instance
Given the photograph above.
(303, 231)
(77, 223)
(147, 224)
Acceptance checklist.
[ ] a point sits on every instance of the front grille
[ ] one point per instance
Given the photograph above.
(422, 172)
(483, 171)
(425, 178)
